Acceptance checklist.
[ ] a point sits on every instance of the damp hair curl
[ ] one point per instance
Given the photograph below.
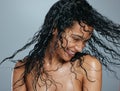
(104, 43)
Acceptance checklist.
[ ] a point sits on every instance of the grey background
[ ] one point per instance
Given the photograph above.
(20, 19)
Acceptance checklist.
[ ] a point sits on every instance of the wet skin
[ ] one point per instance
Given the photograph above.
(67, 76)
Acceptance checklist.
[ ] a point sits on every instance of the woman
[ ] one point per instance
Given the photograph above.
(69, 49)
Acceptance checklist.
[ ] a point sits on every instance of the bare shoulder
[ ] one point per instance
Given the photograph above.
(17, 81)
(91, 62)
(18, 70)
(19, 66)
(92, 73)
(88, 62)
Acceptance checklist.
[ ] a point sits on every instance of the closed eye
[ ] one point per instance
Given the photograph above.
(76, 38)
(79, 38)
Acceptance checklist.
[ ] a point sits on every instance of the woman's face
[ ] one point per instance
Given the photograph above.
(74, 40)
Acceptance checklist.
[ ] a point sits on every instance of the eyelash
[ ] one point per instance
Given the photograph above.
(78, 39)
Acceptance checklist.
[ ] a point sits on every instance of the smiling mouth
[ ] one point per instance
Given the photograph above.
(70, 52)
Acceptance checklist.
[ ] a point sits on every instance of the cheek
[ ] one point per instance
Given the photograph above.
(61, 54)
(64, 43)
(67, 42)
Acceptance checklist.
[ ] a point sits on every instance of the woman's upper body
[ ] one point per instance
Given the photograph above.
(59, 73)
(68, 26)
(64, 78)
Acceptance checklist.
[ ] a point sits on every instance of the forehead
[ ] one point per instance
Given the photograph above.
(81, 29)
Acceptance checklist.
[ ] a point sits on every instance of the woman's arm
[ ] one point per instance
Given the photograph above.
(18, 83)
(92, 81)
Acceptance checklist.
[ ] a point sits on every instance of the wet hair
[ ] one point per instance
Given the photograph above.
(104, 43)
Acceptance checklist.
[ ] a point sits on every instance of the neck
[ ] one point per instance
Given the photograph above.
(51, 58)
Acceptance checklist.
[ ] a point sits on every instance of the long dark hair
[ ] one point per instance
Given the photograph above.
(104, 43)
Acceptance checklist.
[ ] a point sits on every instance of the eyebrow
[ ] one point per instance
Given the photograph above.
(81, 37)
(89, 31)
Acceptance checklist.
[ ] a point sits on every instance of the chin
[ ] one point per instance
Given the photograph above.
(67, 59)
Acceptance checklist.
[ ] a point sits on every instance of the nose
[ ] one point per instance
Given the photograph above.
(79, 47)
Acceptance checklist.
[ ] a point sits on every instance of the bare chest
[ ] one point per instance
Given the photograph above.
(61, 80)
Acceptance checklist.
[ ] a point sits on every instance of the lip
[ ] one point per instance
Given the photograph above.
(70, 53)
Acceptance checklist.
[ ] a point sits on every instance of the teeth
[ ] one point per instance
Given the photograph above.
(71, 52)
